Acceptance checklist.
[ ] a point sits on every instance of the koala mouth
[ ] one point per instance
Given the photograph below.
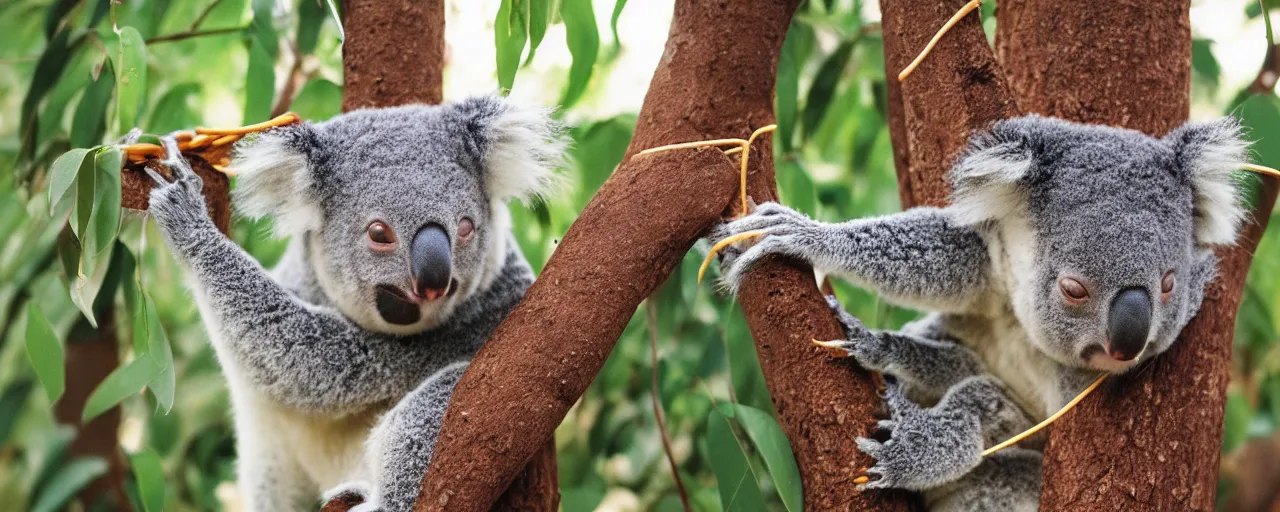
(396, 307)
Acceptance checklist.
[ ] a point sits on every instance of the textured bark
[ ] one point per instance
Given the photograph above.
(91, 356)
(1120, 63)
(822, 404)
(393, 54)
(1149, 441)
(135, 190)
(957, 91)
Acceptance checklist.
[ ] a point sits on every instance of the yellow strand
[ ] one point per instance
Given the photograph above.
(968, 8)
(746, 154)
(719, 246)
(281, 120)
(1031, 431)
(1260, 169)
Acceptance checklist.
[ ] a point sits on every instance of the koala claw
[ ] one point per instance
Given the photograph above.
(923, 450)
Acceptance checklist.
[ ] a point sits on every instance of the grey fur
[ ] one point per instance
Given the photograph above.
(325, 391)
(1034, 200)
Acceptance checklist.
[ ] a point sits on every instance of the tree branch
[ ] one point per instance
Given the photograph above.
(194, 33)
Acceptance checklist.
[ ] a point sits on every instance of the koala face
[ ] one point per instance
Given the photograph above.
(1104, 233)
(402, 210)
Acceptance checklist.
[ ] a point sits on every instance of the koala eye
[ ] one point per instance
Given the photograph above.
(380, 235)
(1073, 290)
(1166, 285)
(465, 229)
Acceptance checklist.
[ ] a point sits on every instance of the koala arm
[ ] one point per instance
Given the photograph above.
(297, 354)
(920, 257)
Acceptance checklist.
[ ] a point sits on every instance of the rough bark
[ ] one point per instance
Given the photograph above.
(645, 218)
(393, 54)
(822, 404)
(1121, 63)
(1149, 441)
(91, 356)
(957, 91)
(135, 190)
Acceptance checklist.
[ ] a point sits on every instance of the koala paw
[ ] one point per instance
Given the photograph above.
(783, 231)
(924, 449)
(849, 324)
(355, 496)
(177, 206)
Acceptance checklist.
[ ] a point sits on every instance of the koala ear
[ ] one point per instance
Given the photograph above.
(519, 147)
(985, 180)
(275, 177)
(1207, 154)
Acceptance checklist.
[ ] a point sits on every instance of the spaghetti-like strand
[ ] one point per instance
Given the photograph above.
(719, 246)
(694, 145)
(1260, 169)
(746, 155)
(968, 8)
(283, 119)
(1031, 431)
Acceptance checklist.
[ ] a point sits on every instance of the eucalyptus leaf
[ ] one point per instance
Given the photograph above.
(260, 83)
(63, 173)
(68, 481)
(509, 36)
(131, 79)
(583, 41)
(149, 473)
(739, 491)
(772, 445)
(105, 222)
(90, 121)
(44, 350)
(122, 383)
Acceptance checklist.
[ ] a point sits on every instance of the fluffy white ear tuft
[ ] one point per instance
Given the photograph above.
(985, 179)
(1210, 153)
(274, 178)
(523, 147)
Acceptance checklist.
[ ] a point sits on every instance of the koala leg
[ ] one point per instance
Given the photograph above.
(928, 366)
(1008, 480)
(400, 446)
(930, 447)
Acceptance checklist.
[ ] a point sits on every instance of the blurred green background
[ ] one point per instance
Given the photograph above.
(230, 62)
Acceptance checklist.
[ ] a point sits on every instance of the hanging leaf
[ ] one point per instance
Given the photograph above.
(149, 473)
(584, 44)
(772, 445)
(85, 188)
(795, 49)
(161, 353)
(739, 491)
(824, 86)
(89, 124)
(796, 187)
(122, 383)
(613, 21)
(68, 481)
(1203, 62)
(131, 79)
(260, 83)
(12, 401)
(45, 352)
(48, 68)
(105, 222)
(63, 172)
(311, 16)
(509, 36)
(173, 111)
(539, 11)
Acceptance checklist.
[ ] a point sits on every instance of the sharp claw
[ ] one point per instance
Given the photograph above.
(861, 479)
(719, 246)
(172, 155)
(834, 348)
(155, 176)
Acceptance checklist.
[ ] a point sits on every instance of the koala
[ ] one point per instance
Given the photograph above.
(341, 361)
(1068, 251)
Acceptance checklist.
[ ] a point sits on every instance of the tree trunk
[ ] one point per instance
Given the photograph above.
(1148, 441)
(393, 53)
(91, 356)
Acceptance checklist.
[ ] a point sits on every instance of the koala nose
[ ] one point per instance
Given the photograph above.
(1128, 324)
(430, 262)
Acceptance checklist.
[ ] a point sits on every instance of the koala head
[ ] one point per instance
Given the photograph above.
(401, 211)
(1101, 237)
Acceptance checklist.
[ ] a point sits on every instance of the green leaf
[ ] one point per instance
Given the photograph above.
(1238, 414)
(744, 364)
(12, 401)
(319, 99)
(105, 222)
(1203, 62)
(45, 352)
(260, 83)
(1266, 18)
(68, 481)
(149, 473)
(538, 13)
(790, 62)
(613, 21)
(739, 491)
(86, 177)
(174, 110)
(508, 40)
(161, 353)
(824, 86)
(772, 445)
(122, 383)
(63, 172)
(584, 44)
(90, 276)
(311, 16)
(131, 79)
(52, 61)
(796, 187)
(90, 121)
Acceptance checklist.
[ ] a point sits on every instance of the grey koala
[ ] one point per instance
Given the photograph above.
(1069, 250)
(341, 360)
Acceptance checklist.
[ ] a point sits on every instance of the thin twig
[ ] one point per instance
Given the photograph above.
(291, 83)
(203, 14)
(194, 33)
(657, 404)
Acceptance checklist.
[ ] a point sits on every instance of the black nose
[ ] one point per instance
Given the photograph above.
(431, 261)
(1129, 324)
